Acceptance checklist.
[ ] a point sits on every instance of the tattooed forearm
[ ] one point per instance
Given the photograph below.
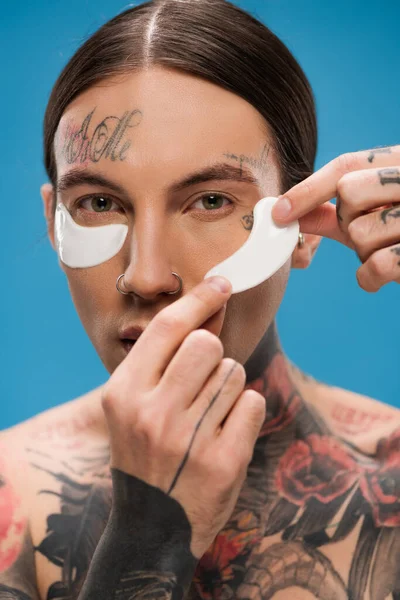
(374, 151)
(259, 163)
(389, 176)
(393, 212)
(248, 222)
(145, 548)
(106, 141)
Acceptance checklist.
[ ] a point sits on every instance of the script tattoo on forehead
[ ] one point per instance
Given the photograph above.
(389, 176)
(383, 150)
(258, 163)
(108, 139)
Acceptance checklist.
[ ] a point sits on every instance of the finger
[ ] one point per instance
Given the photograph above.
(365, 190)
(243, 425)
(184, 378)
(381, 268)
(219, 395)
(321, 185)
(376, 230)
(156, 346)
(323, 221)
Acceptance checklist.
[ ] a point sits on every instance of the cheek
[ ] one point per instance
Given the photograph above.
(94, 296)
(250, 313)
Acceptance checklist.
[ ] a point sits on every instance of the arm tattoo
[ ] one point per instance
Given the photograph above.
(106, 141)
(317, 494)
(389, 176)
(145, 549)
(374, 151)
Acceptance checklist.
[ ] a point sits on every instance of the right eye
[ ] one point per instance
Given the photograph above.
(98, 203)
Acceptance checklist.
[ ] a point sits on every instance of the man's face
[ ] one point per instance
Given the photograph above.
(183, 164)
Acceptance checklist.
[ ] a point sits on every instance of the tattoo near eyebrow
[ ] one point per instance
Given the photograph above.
(219, 171)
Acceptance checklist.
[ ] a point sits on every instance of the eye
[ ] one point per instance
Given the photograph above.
(212, 201)
(98, 204)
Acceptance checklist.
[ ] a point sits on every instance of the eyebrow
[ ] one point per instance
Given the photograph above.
(219, 171)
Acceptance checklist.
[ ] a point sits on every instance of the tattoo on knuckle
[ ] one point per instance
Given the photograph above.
(390, 213)
(374, 151)
(389, 175)
(396, 251)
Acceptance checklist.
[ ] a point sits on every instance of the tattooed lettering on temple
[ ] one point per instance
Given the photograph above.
(108, 139)
(258, 163)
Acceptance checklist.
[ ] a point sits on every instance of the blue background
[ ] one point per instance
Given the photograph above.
(328, 325)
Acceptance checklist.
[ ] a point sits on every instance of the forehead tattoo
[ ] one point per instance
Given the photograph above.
(109, 138)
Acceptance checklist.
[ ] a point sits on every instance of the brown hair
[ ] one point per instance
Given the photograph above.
(212, 39)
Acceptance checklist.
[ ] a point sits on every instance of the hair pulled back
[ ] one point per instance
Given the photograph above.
(212, 39)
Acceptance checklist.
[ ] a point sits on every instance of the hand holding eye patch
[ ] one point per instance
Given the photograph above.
(366, 217)
(179, 419)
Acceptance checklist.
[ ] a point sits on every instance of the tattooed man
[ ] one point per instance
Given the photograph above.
(207, 466)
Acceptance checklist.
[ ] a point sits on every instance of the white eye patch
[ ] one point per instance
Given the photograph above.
(263, 253)
(81, 247)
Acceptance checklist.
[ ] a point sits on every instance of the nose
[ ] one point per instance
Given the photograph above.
(150, 269)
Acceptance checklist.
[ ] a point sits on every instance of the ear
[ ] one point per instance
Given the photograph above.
(302, 257)
(47, 193)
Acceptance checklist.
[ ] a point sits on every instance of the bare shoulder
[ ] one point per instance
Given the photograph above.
(58, 452)
(17, 571)
(356, 418)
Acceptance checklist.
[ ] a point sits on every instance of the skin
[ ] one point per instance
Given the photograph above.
(65, 452)
(177, 221)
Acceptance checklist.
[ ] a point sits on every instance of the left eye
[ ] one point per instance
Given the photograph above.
(211, 201)
(98, 204)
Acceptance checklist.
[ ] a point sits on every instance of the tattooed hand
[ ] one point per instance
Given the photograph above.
(178, 417)
(367, 213)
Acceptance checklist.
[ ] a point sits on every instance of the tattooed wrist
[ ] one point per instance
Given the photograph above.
(145, 548)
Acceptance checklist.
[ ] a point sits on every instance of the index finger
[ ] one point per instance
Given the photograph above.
(321, 186)
(161, 339)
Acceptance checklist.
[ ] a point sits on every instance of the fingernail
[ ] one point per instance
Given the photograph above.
(282, 208)
(219, 283)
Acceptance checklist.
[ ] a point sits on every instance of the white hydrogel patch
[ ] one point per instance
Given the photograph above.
(264, 252)
(81, 247)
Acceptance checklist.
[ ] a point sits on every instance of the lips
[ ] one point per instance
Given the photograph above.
(130, 335)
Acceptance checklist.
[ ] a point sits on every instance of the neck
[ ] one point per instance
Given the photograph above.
(274, 377)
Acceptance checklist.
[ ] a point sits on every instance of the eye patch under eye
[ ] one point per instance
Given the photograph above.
(81, 247)
(265, 251)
